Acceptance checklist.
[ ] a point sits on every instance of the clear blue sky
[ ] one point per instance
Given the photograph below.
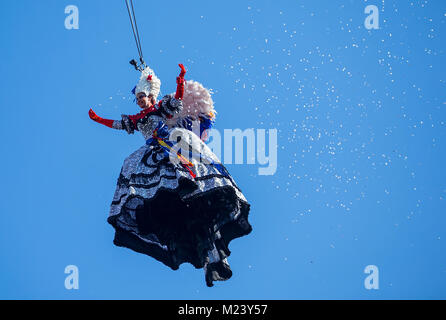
(361, 121)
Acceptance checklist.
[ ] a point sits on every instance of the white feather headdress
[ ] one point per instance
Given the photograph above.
(148, 83)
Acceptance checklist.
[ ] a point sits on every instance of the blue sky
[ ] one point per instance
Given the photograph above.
(360, 116)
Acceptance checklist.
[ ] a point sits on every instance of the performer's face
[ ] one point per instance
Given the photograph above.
(144, 101)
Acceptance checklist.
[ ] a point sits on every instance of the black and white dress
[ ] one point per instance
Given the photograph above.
(175, 213)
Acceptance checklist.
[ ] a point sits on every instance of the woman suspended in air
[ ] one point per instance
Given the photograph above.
(174, 200)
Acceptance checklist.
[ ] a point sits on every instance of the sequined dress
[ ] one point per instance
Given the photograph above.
(172, 212)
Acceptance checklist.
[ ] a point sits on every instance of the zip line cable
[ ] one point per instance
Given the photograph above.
(132, 17)
(133, 28)
(137, 32)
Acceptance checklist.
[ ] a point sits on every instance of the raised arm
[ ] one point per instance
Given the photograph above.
(180, 83)
(171, 104)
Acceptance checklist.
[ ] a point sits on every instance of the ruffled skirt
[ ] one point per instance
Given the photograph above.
(161, 210)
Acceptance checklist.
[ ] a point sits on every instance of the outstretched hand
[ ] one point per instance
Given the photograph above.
(93, 115)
